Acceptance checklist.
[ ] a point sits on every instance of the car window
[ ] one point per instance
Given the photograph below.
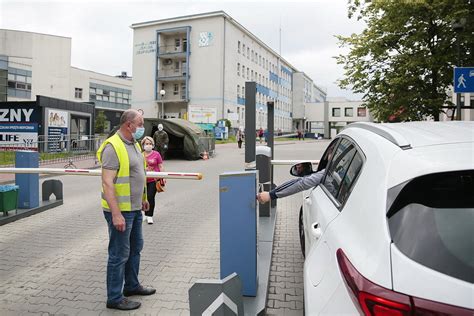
(431, 221)
(323, 162)
(351, 175)
(338, 167)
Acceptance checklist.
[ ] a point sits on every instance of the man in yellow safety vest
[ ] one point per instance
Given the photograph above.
(123, 199)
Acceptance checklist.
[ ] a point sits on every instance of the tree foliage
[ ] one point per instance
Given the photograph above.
(100, 122)
(403, 61)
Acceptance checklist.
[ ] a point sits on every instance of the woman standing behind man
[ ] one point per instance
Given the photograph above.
(154, 162)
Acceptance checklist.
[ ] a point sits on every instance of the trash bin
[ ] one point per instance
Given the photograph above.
(8, 198)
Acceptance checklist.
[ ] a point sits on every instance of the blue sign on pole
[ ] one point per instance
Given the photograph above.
(463, 79)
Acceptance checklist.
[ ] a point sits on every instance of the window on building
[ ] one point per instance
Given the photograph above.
(238, 69)
(471, 100)
(336, 112)
(78, 93)
(238, 47)
(349, 112)
(176, 66)
(238, 91)
(252, 55)
(183, 91)
(248, 53)
(361, 112)
(185, 45)
(243, 49)
(243, 92)
(176, 89)
(177, 45)
(252, 75)
(248, 74)
(462, 100)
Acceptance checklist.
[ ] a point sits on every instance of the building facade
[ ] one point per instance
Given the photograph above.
(195, 67)
(33, 64)
(305, 93)
(328, 118)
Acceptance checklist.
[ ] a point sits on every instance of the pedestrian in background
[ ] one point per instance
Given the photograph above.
(123, 199)
(154, 163)
(240, 137)
(161, 139)
(260, 135)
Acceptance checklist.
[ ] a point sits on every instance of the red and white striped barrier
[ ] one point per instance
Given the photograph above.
(98, 172)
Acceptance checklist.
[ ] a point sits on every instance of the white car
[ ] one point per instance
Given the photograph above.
(390, 230)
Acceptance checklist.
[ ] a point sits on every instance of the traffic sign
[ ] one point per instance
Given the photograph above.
(463, 79)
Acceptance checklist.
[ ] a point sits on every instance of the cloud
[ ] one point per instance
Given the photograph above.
(102, 37)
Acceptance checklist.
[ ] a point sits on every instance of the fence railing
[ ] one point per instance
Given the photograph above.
(54, 149)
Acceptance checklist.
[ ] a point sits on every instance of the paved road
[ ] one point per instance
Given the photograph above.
(55, 262)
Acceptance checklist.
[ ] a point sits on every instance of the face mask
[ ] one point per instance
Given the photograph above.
(138, 133)
(148, 148)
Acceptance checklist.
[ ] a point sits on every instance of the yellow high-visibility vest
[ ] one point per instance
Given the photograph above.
(122, 183)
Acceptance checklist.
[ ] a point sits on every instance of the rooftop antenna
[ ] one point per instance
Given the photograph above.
(280, 36)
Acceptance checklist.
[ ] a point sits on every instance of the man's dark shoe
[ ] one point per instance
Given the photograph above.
(140, 290)
(124, 305)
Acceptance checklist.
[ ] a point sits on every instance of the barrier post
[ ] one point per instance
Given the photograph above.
(28, 183)
(263, 161)
(238, 228)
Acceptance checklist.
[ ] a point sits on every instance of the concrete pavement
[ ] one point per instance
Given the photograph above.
(54, 262)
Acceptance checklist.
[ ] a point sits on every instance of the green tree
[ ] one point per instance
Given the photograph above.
(100, 122)
(403, 61)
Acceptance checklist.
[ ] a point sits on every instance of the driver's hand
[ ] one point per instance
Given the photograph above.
(263, 197)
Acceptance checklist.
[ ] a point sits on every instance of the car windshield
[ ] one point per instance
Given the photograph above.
(431, 221)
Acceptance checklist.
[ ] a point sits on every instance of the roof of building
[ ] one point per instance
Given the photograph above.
(36, 33)
(208, 15)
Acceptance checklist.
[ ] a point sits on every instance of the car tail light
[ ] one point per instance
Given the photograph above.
(374, 300)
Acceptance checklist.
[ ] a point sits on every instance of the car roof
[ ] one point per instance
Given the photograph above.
(418, 134)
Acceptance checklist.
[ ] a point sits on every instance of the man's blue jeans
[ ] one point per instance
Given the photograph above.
(124, 255)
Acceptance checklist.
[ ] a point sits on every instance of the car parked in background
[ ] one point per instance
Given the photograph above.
(390, 230)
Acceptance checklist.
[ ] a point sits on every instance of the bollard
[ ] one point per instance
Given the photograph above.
(263, 161)
(28, 183)
(238, 228)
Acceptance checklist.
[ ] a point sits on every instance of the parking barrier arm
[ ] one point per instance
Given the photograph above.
(89, 172)
(292, 162)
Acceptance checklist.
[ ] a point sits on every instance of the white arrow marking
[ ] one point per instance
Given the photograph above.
(222, 299)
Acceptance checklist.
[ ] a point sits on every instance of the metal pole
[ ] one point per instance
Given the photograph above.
(458, 95)
(250, 124)
(162, 108)
(270, 134)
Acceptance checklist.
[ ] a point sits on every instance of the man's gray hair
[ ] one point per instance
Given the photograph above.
(128, 116)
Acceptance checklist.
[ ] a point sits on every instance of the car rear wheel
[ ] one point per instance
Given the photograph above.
(301, 229)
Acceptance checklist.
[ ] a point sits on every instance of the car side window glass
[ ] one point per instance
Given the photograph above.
(338, 167)
(323, 162)
(351, 175)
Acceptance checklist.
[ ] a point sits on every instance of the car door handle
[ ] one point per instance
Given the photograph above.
(316, 231)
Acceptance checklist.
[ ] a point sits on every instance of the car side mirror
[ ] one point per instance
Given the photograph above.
(301, 169)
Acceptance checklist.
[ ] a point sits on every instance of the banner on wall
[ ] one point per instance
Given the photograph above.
(19, 136)
(19, 127)
(202, 114)
(58, 125)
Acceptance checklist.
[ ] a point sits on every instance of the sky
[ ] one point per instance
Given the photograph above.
(102, 38)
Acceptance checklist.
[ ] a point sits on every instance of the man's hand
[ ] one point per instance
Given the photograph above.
(145, 206)
(263, 197)
(119, 222)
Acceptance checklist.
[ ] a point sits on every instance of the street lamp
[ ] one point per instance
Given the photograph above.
(162, 94)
